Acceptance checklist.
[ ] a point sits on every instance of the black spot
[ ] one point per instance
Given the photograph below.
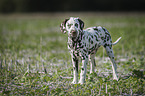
(76, 65)
(112, 57)
(82, 68)
(84, 50)
(105, 37)
(77, 54)
(86, 56)
(96, 38)
(82, 33)
(103, 28)
(81, 46)
(89, 39)
(108, 38)
(69, 45)
(106, 45)
(95, 45)
(92, 48)
(91, 42)
(79, 41)
(74, 59)
(92, 36)
(107, 33)
(96, 33)
(85, 44)
(104, 40)
(95, 28)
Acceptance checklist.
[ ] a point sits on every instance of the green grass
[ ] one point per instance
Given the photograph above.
(34, 59)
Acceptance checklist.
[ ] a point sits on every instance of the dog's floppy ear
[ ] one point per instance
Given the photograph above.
(63, 26)
(81, 24)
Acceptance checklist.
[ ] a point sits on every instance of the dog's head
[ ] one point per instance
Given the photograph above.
(72, 26)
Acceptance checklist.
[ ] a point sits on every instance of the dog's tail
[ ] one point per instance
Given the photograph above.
(116, 41)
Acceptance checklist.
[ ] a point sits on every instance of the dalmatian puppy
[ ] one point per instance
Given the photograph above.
(84, 44)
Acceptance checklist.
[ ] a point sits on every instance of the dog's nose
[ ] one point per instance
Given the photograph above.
(73, 33)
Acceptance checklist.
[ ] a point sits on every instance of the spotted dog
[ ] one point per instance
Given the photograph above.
(84, 44)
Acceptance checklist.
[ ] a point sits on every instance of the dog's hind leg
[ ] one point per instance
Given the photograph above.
(92, 62)
(111, 56)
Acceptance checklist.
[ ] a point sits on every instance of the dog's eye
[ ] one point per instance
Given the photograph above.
(76, 25)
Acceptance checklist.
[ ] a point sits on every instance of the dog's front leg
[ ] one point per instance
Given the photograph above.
(75, 69)
(83, 71)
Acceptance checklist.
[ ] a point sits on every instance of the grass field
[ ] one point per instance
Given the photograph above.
(34, 59)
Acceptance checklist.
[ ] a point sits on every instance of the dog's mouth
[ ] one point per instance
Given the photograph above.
(73, 34)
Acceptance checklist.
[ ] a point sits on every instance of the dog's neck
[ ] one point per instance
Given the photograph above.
(73, 43)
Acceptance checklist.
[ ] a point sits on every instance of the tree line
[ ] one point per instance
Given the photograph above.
(7, 6)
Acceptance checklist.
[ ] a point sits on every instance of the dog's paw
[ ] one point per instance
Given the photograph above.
(115, 78)
(81, 82)
(74, 82)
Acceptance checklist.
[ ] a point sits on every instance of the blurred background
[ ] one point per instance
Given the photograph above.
(21, 6)
(34, 58)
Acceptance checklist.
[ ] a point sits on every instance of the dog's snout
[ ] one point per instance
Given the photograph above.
(73, 33)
